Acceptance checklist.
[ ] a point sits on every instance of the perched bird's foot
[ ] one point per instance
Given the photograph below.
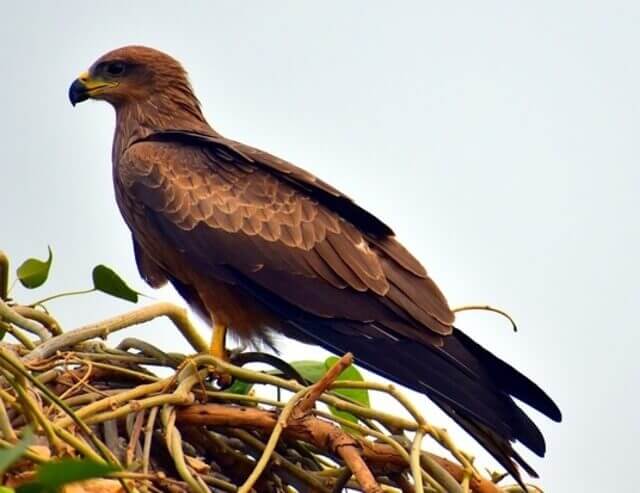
(218, 350)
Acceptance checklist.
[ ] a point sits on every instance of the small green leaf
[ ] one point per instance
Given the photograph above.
(310, 370)
(9, 455)
(315, 370)
(107, 281)
(240, 387)
(361, 396)
(33, 273)
(4, 489)
(53, 475)
(351, 373)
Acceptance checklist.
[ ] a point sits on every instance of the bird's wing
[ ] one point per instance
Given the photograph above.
(149, 270)
(291, 233)
(328, 267)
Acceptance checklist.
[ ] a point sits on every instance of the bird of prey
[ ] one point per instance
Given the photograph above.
(259, 246)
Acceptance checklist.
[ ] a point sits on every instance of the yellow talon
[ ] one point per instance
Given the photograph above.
(217, 348)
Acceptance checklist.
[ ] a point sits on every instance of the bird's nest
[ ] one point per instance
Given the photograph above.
(179, 432)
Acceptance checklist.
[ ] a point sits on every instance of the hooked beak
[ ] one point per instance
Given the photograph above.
(85, 87)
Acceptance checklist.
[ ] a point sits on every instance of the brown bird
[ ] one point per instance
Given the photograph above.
(257, 245)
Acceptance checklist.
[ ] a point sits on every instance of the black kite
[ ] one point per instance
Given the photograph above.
(257, 245)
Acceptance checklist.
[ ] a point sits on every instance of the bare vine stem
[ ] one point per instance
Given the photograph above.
(69, 385)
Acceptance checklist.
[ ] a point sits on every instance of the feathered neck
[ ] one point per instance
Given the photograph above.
(173, 107)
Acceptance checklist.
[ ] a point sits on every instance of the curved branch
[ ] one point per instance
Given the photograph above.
(102, 329)
(380, 457)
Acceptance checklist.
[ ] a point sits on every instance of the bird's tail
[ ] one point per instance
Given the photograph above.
(474, 387)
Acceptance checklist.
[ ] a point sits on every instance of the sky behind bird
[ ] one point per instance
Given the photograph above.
(497, 138)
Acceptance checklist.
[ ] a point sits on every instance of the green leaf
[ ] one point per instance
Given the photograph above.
(33, 273)
(53, 475)
(4, 489)
(240, 387)
(315, 370)
(107, 281)
(361, 396)
(310, 370)
(351, 373)
(10, 455)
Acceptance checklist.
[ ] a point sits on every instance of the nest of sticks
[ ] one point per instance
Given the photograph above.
(164, 422)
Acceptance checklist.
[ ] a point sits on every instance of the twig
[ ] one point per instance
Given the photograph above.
(43, 318)
(271, 444)
(148, 436)
(308, 401)
(487, 308)
(312, 481)
(102, 329)
(415, 459)
(10, 315)
(380, 456)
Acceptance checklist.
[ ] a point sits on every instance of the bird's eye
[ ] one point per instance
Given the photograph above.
(115, 68)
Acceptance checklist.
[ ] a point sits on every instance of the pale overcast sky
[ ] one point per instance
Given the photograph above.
(499, 139)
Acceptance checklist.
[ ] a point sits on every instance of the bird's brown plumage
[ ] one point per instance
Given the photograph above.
(260, 245)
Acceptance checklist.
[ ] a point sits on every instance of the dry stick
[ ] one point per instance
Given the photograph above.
(438, 479)
(307, 403)
(477, 484)
(317, 432)
(148, 435)
(343, 444)
(271, 444)
(162, 399)
(102, 329)
(438, 434)
(174, 444)
(133, 440)
(11, 360)
(298, 410)
(434, 474)
(312, 481)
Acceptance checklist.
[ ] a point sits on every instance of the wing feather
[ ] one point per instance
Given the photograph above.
(196, 185)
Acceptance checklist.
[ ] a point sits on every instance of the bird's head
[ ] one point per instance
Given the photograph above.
(130, 74)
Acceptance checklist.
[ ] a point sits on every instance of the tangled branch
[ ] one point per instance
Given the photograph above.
(182, 433)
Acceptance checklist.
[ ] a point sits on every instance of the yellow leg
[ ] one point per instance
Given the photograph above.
(217, 348)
